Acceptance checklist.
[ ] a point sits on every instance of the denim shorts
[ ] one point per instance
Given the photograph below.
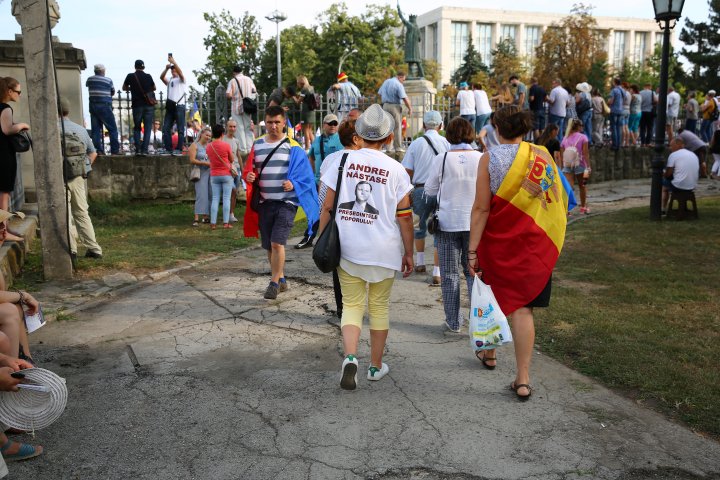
(624, 118)
(276, 220)
(579, 170)
(423, 207)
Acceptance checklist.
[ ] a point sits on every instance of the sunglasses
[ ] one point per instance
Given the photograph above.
(333, 123)
(16, 91)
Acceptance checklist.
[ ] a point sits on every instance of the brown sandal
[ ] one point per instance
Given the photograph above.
(485, 359)
(522, 398)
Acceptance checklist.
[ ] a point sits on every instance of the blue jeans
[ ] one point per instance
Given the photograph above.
(101, 114)
(586, 118)
(469, 118)
(143, 114)
(480, 121)
(560, 122)
(539, 120)
(177, 117)
(616, 129)
(706, 131)
(423, 206)
(224, 184)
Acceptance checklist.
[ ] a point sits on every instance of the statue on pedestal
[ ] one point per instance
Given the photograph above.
(54, 12)
(412, 46)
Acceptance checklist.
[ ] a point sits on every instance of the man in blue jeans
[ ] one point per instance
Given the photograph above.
(558, 100)
(142, 88)
(100, 92)
(175, 106)
(616, 112)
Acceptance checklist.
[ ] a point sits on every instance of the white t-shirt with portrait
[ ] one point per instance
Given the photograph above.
(372, 186)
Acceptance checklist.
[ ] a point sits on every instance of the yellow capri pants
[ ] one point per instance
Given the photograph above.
(357, 293)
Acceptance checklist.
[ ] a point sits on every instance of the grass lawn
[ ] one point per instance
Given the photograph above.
(636, 305)
(148, 236)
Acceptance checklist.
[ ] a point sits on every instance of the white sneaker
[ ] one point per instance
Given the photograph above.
(348, 374)
(233, 219)
(376, 374)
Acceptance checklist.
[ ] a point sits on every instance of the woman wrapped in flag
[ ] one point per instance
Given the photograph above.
(517, 230)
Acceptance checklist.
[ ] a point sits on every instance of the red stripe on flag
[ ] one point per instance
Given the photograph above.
(516, 255)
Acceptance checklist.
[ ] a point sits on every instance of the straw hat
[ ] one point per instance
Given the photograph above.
(374, 124)
(30, 409)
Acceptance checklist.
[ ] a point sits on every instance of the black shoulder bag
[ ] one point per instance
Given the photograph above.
(326, 252)
(433, 224)
(255, 198)
(249, 105)
(149, 96)
(430, 143)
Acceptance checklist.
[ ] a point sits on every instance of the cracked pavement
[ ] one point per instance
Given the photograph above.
(228, 385)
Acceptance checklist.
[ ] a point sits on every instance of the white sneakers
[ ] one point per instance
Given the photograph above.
(348, 374)
(348, 378)
(376, 374)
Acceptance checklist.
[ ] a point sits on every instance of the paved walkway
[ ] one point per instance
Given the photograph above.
(192, 375)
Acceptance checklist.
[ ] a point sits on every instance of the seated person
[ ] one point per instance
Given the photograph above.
(681, 171)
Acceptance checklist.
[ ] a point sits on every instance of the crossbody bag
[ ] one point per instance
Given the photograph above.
(149, 96)
(249, 105)
(433, 224)
(233, 171)
(326, 252)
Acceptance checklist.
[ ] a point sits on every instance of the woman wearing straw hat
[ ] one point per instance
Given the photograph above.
(374, 219)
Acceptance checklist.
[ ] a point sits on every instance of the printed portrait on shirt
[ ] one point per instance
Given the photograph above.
(363, 195)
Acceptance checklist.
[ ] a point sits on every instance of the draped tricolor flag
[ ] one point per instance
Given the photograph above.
(525, 229)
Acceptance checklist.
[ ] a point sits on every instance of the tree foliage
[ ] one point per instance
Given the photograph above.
(506, 62)
(569, 49)
(704, 56)
(231, 41)
(316, 52)
(471, 66)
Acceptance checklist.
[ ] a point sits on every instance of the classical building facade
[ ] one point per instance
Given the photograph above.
(445, 31)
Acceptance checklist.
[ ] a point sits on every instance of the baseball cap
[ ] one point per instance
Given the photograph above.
(139, 64)
(432, 118)
(463, 85)
(330, 117)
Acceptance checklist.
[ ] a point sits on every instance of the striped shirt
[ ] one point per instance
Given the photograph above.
(100, 88)
(275, 172)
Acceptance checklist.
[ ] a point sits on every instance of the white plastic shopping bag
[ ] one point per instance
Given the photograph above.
(489, 327)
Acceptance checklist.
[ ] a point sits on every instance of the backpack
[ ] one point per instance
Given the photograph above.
(583, 106)
(312, 101)
(571, 156)
(73, 156)
(716, 111)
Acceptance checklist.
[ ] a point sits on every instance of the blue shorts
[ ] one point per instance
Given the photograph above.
(423, 207)
(276, 220)
(579, 170)
(624, 118)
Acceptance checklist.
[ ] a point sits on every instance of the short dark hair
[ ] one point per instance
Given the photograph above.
(512, 77)
(217, 130)
(237, 69)
(512, 122)
(617, 81)
(363, 182)
(459, 130)
(346, 132)
(274, 111)
(400, 73)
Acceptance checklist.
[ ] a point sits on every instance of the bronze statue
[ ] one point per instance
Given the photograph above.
(412, 46)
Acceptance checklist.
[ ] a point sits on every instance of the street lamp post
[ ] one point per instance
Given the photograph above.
(277, 17)
(347, 53)
(666, 11)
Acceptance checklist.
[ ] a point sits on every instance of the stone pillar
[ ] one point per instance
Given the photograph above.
(421, 94)
(42, 101)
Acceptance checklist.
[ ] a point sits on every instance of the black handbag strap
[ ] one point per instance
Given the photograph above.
(267, 159)
(141, 88)
(442, 175)
(430, 143)
(239, 89)
(322, 149)
(341, 169)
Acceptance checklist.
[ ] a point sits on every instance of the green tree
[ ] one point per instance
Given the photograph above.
(570, 48)
(704, 38)
(506, 62)
(471, 66)
(372, 34)
(231, 41)
(298, 55)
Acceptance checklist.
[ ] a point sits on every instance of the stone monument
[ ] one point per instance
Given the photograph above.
(420, 91)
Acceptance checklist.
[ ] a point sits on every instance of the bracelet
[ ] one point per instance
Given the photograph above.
(21, 300)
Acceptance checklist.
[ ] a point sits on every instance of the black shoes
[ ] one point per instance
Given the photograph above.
(91, 254)
(304, 243)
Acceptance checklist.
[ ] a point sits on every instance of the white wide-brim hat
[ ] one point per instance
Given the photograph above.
(32, 410)
(583, 87)
(374, 124)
